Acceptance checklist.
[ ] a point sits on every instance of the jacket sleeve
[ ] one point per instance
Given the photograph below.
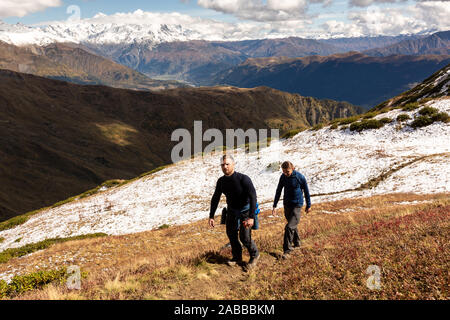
(278, 192)
(304, 186)
(215, 199)
(247, 184)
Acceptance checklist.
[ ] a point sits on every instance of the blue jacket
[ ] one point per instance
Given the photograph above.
(293, 187)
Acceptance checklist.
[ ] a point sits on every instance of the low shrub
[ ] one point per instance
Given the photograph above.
(10, 253)
(403, 117)
(385, 120)
(291, 133)
(35, 280)
(366, 124)
(410, 106)
(349, 120)
(441, 116)
(425, 100)
(384, 110)
(431, 117)
(421, 121)
(428, 111)
(151, 172)
(15, 221)
(370, 115)
(337, 120)
(334, 126)
(317, 127)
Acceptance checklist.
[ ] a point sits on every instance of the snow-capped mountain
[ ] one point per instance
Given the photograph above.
(95, 33)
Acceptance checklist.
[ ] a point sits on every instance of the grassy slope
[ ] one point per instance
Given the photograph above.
(75, 64)
(408, 241)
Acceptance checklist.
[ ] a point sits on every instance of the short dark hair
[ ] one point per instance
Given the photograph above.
(227, 156)
(287, 165)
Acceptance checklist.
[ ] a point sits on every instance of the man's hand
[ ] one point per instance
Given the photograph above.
(248, 223)
(308, 210)
(274, 211)
(211, 223)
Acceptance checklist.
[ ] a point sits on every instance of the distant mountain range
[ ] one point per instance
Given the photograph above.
(176, 52)
(198, 60)
(59, 139)
(437, 43)
(77, 64)
(151, 34)
(367, 43)
(353, 77)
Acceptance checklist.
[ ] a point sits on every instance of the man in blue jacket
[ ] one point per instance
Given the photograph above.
(294, 184)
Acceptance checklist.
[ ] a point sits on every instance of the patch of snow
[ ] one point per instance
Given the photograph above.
(331, 160)
(444, 76)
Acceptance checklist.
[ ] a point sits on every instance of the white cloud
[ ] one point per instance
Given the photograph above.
(372, 21)
(366, 3)
(209, 29)
(14, 8)
(420, 17)
(201, 28)
(287, 5)
(256, 10)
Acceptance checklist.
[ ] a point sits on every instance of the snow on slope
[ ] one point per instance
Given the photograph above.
(332, 161)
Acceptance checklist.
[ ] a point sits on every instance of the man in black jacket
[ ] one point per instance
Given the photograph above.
(241, 205)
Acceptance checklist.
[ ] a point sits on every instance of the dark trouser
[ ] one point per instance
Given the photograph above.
(290, 231)
(245, 235)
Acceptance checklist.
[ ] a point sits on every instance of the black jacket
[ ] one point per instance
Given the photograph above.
(239, 190)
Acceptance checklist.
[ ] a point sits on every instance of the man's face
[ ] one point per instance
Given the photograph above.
(287, 172)
(227, 167)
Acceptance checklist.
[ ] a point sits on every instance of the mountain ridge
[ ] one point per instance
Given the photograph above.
(128, 33)
(76, 64)
(78, 136)
(437, 43)
(176, 53)
(355, 77)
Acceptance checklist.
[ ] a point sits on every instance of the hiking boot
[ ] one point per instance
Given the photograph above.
(253, 261)
(286, 255)
(296, 246)
(234, 262)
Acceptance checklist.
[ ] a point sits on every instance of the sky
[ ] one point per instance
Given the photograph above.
(307, 18)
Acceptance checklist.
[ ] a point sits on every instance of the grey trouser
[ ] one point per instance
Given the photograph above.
(290, 231)
(245, 235)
